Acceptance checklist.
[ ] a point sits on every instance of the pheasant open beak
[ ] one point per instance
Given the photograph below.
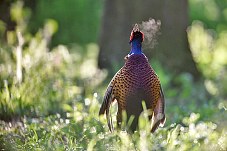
(136, 33)
(135, 28)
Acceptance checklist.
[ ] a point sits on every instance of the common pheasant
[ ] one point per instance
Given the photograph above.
(134, 83)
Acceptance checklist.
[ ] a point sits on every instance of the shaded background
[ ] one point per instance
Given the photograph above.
(57, 57)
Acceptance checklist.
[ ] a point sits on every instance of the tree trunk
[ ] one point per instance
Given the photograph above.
(172, 49)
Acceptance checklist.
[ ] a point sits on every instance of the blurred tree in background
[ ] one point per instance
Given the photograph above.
(172, 50)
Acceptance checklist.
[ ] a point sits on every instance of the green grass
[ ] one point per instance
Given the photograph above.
(82, 129)
(55, 106)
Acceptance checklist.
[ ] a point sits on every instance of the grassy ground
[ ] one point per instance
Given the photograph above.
(80, 128)
(55, 106)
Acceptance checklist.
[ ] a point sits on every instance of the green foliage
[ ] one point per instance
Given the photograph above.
(207, 38)
(44, 74)
(49, 99)
(210, 53)
(78, 20)
(32, 76)
(213, 13)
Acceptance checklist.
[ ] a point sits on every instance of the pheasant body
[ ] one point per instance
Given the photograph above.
(135, 82)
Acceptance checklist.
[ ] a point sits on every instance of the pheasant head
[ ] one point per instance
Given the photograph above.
(136, 39)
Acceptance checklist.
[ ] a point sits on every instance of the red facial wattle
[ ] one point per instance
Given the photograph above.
(136, 35)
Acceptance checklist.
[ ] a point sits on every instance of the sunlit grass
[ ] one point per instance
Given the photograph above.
(81, 129)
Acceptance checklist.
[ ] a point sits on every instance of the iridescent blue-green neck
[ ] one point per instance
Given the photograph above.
(136, 47)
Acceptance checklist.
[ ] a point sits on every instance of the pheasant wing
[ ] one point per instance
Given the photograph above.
(105, 107)
(158, 118)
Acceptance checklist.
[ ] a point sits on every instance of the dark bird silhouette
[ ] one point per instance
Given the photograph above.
(134, 83)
